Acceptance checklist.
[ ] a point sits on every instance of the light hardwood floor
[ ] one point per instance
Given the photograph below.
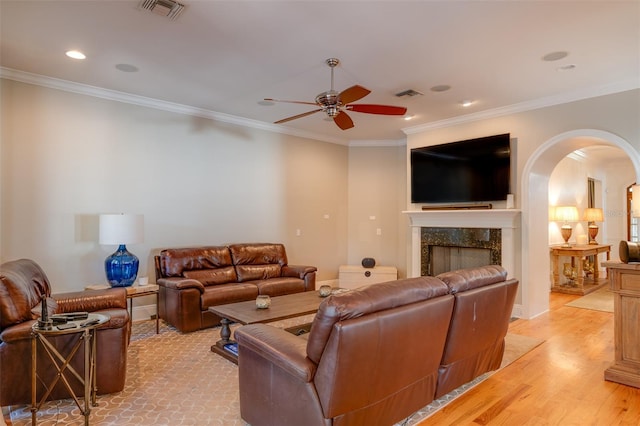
(561, 382)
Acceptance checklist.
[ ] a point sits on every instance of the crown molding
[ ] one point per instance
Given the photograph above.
(377, 143)
(577, 95)
(114, 95)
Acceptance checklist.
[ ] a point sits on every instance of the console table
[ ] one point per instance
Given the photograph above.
(577, 254)
(625, 284)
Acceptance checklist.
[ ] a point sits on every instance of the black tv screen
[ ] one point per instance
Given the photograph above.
(474, 170)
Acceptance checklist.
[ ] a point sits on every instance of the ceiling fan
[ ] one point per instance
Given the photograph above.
(335, 104)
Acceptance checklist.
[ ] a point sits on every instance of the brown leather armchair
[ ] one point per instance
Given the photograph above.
(372, 357)
(22, 285)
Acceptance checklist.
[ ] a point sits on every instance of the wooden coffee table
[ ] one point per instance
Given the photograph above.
(282, 307)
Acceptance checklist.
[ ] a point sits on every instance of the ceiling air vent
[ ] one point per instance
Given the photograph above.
(168, 8)
(408, 92)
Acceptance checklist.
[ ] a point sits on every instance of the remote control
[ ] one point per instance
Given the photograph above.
(89, 322)
(66, 326)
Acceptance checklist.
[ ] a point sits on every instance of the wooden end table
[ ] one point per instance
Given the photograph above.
(282, 307)
(136, 290)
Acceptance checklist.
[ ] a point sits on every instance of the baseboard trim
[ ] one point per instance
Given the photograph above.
(517, 311)
(144, 312)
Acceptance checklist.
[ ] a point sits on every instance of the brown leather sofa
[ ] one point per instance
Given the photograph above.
(193, 279)
(22, 284)
(375, 355)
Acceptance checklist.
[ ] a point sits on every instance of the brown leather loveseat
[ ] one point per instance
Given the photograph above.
(22, 284)
(193, 279)
(377, 354)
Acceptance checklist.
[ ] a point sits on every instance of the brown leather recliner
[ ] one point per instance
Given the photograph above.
(22, 284)
(475, 343)
(372, 357)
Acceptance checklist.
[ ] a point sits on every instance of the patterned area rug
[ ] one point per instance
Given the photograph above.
(174, 379)
(599, 300)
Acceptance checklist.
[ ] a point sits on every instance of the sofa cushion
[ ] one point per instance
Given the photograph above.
(280, 286)
(175, 261)
(227, 293)
(258, 261)
(22, 285)
(222, 275)
(258, 254)
(257, 272)
(470, 278)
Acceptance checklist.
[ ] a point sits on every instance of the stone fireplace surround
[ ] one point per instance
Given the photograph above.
(506, 220)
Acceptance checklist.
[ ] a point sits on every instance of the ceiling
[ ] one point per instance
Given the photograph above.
(224, 57)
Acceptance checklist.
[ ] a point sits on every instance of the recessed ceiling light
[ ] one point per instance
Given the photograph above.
(440, 88)
(409, 117)
(75, 54)
(567, 67)
(126, 68)
(555, 56)
(466, 103)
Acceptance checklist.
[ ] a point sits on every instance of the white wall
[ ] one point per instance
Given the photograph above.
(377, 193)
(65, 158)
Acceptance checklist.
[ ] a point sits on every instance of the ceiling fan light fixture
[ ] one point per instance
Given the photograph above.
(335, 104)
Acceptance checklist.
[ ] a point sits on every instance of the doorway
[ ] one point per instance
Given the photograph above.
(535, 183)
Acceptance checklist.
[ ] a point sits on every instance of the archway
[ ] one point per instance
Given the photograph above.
(535, 183)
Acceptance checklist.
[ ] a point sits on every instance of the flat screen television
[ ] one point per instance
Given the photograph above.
(470, 171)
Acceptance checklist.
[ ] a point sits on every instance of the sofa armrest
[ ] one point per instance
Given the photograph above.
(297, 271)
(91, 301)
(277, 346)
(180, 283)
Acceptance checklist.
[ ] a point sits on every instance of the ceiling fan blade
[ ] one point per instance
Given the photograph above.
(343, 120)
(353, 94)
(290, 102)
(377, 109)
(304, 114)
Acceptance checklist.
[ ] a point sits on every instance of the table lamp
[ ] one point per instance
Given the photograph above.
(593, 215)
(121, 229)
(566, 214)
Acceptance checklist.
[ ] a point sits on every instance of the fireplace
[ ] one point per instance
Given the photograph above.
(497, 230)
(447, 249)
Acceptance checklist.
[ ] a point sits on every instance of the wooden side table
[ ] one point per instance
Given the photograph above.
(577, 255)
(86, 335)
(134, 291)
(625, 284)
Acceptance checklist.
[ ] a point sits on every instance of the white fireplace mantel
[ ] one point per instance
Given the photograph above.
(507, 220)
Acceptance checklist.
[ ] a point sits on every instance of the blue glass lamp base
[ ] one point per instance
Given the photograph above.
(121, 267)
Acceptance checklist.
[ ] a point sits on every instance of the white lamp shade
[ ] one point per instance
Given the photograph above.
(566, 214)
(593, 215)
(119, 229)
